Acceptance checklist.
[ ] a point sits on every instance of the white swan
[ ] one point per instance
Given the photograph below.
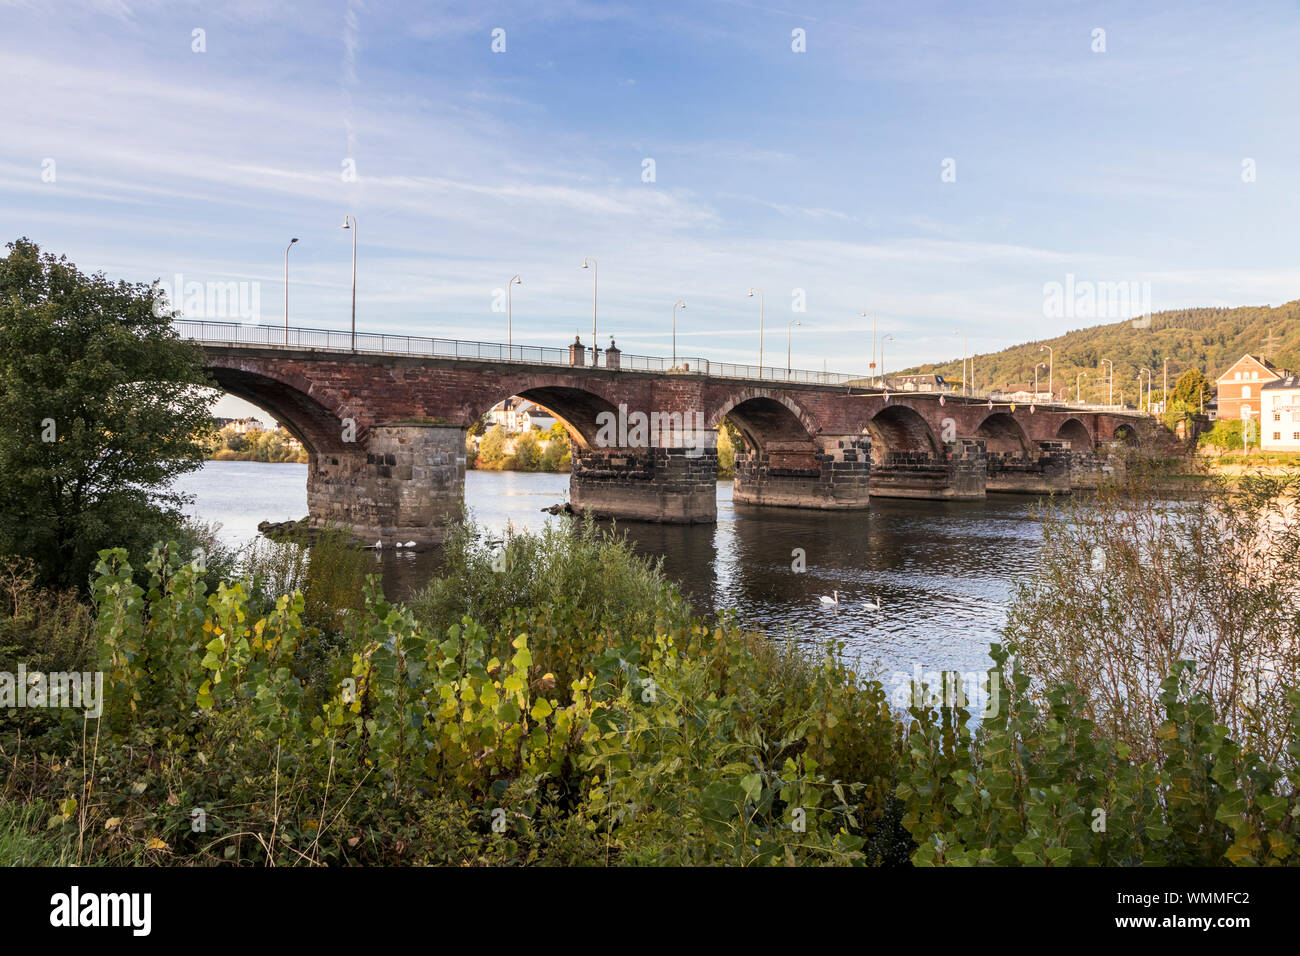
(410, 544)
(872, 607)
(379, 543)
(832, 601)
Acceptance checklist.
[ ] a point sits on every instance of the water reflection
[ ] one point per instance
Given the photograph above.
(942, 571)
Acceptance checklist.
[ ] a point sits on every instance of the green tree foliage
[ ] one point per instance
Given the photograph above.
(1208, 339)
(1193, 389)
(269, 445)
(1226, 435)
(492, 449)
(528, 455)
(728, 441)
(99, 413)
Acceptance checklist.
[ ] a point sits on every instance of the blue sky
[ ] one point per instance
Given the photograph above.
(817, 171)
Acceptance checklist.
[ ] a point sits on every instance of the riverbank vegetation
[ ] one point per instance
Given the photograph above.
(269, 445)
(492, 449)
(552, 699)
(101, 407)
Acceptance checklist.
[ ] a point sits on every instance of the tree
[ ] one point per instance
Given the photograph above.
(528, 454)
(492, 449)
(1193, 389)
(100, 410)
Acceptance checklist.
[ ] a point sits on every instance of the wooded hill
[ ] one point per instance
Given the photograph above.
(1208, 339)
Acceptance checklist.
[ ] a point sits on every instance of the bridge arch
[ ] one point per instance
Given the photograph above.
(1076, 433)
(763, 418)
(319, 428)
(900, 429)
(577, 409)
(1003, 435)
(1127, 434)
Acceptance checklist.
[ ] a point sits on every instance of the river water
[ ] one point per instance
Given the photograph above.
(942, 572)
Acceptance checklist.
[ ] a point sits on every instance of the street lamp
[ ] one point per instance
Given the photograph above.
(788, 330)
(884, 381)
(679, 302)
(350, 222)
(286, 289)
(1078, 387)
(873, 344)
(1110, 398)
(762, 306)
(1164, 397)
(514, 281)
(1141, 371)
(963, 359)
(1036, 368)
(1151, 374)
(1051, 361)
(595, 281)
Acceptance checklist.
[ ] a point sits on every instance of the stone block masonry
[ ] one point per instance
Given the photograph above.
(404, 485)
(385, 437)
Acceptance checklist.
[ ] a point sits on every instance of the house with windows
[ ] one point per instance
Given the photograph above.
(1240, 386)
(517, 415)
(1280, 428)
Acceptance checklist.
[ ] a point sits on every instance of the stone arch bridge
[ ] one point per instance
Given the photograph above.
(385, 427)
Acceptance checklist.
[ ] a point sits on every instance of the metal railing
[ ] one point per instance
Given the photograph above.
(379, 343)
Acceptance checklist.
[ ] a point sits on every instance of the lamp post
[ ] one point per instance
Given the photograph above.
(762, 307)
(883, 380)
(873, 344)
(514, 281)
(963, 359)
(1164, 397)
(1036, 368)
(789, 329)
(286, 289)
(1078, 387)
(679, 302)
(1110, 398)
(350, 222)
(1051, 361)
(595, 282)
(1141, 371)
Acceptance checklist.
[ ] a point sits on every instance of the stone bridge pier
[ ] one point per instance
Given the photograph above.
(385, 436)
(400, 483)
(831, 473)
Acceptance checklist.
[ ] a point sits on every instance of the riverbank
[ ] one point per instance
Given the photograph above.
(552, 700)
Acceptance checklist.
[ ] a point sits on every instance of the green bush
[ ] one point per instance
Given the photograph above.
(1040, 786)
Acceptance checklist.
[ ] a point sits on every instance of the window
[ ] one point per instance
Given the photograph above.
(1245, 391)
(1277, 416)
(1277, 436)
(1237, 376)
(1254, 376)
(1295, 436)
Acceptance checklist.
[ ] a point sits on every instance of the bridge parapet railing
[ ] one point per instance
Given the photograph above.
(380, 343)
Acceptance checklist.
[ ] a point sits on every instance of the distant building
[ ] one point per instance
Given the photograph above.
(1239, 387)
(1280, 427)
(517, 415)
(241, 426)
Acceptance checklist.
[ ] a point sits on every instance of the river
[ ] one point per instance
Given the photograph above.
(943, 572)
